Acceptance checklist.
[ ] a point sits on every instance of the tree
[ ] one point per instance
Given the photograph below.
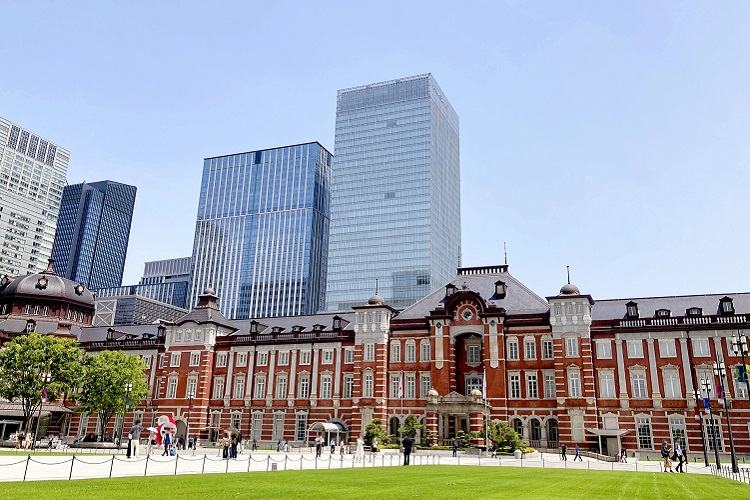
(374, 430)
(411, 426)
(24, 360)
(103, 385)
(504, 437)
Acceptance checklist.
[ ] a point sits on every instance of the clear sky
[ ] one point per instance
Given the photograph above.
(609, 136)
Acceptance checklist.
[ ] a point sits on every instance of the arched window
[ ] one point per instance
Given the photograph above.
(535, 429)
(517, 426)
(552, 433)
(393, 427)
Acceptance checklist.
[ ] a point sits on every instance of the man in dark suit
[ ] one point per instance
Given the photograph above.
(407, 443)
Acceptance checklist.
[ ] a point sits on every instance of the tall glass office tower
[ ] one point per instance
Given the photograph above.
(261, 239)
(93, 230)
(32, 177)
(395, 215)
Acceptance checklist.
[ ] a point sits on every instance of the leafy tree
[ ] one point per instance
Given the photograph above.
(411, 426)
(464, 439)
(103, 385)
(375, 430)
(24, 360)
(504, 437)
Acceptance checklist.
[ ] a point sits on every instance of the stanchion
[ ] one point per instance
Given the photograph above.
(176, 458)
(27, 467)
(268, 463)
(70, 476)
(286, 461)
(203, 468)
(111, 466)
(145, 469)
(248, 463)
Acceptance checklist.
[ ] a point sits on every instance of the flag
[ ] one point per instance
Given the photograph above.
(401, 385)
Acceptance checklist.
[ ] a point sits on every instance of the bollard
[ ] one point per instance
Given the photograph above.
(70, 476)
(27, 467)
(203, 469)
(248, 463)
(111, 466)
(273, 466)
(145, 469)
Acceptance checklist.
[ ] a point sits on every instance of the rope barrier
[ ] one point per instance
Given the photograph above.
(91, 463)
(46, 463)
(14, 463)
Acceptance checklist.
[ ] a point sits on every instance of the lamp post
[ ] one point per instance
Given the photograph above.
(191, 395)
(721, 372)
(46, 377)
(706, 383)
(128, 389)
(739, 346)
(697, 396)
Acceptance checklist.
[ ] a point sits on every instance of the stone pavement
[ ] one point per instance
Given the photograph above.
(207, 461)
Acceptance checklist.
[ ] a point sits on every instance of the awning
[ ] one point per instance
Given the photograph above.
(328, 427)
(608, 432)
(8, 409)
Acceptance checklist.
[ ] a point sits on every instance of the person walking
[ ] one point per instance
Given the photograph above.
(455, 448)
(407, 443)
(563, 453)
(679, 455)
(167, 444)
(333, 446)
(255, 445)
(665, 452)
(134, 439)
(318, 446)
(359, 454)
(578, 453)
(624, 456)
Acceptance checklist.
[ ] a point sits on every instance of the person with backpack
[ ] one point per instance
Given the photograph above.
(665, 452)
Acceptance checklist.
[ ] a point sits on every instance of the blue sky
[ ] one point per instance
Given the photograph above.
(609, 136)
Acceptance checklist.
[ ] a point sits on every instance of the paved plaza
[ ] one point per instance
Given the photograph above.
(42, 466)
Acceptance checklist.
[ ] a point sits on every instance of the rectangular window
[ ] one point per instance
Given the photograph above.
(713, 434)
(395, 384)
(512, 349)
(550, 390)
(672, 385)
(410, 386)
(241, 359)
(607, 384)
(547, 349)
(257, 430)
(574, 384)
(348, 355)
(263, 359)
(236, 420)
(304, 357)
(571, 347)
(260, 386)
(677, 431)
(325, 387)
(424, 351)
(635, 348)
(367, 386)
(701, 348)
(278, 427)
(174, 360)
(514, 384)
(172, 388)
(706, 382)
(532, 386)
(472, 354)
(195, 358)
(369, 351)
(304, 386)
(396, 351)
(300, 426)
(239, 387)
(283, 358)
(349, 385)
(604, 349)
(739, 378)
(192, 386)
(411, 351)
(638, 381)
(327, 356)
(643, 428)
(281, 386)
(529, 349)
(221, 359)
(667, 348)
(425, 383)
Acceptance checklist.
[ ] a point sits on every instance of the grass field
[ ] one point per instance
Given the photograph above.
(430, 482)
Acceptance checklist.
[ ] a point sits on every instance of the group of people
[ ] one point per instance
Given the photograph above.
(670, 455)
(564, 453)
(231, 445)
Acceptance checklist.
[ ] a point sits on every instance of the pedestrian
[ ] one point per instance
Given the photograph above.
(578, 453)
(455, 448)
(233, 447)
(407, 443)
(225, 447)
(191, 443)
(679, 456)
(374, 445)
(167, 444)
(563, 452)
(624, 456)
(665, 452)
(360, 453)
(134, 438)
(255, 445)
(333, 446)
(151, 443)
(318, 446)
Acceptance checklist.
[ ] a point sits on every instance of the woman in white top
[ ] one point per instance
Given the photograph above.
(360, 453)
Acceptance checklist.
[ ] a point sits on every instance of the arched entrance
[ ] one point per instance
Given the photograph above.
(328, 430)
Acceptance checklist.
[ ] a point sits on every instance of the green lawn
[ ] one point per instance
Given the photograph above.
(430, 482)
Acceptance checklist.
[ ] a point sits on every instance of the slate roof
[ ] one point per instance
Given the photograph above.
(15, 324)
(518, 299)
(205, 315)
(287, 322)
(99, 333)
(615, 308)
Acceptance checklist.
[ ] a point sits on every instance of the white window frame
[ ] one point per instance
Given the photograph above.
(514, 385)
(303, 386)
(701, 348)
(607, 387)
(327, 357)
(174, 359)
(532, 385)
(571, 347)
(513, 354)
(218, 387)
(550, 385)
(259, 391)
(574, 383)
(369, 351)
(672, 383)
(410, 351)
(604, 349)
(425, 351)
(642, 424)
(172, 385)
(283, 358)
(425, 384)
(367, 384)
(548, 349)
(304, 357)
(396, 351)
(262, 359)
(282, 380)
(240, 359)
(529, 348)
(667, 348)
(238, 386)
(348, 355)
(195, 359)
(638, 384)
(326, 386)
(635, 348)
(221, 360)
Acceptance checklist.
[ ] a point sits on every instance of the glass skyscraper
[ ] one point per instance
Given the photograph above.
(261, 238)
(93, 230)
(32, 177)
(165, 281)
(395, 214)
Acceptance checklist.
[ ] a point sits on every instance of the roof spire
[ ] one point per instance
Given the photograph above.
(505, 251)
(568, 267)
(376, 286)
(51, 259)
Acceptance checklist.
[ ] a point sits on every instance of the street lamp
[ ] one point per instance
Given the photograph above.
(721, 372)
(706, 383)
(46, 377)
(697, 396)
(739, 346)
(191, 395)
(128, 389)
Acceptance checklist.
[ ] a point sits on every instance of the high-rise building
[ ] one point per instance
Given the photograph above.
(165, 281)
(395, 211)
(93, 230)
(261, 238)
(32, 178)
